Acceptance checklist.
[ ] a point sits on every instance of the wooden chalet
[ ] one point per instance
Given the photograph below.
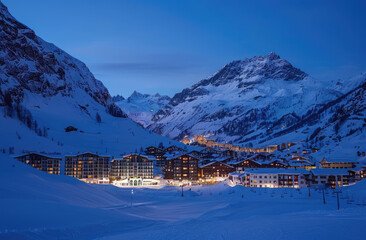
(337, 163)
(244, 164)
(273, 164)
(174, 148)
(215, 170)
(181, 167)
(154, 151)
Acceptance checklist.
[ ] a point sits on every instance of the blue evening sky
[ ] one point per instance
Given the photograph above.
(165, 46)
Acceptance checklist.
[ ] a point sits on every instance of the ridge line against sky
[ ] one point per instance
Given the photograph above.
(165, 46)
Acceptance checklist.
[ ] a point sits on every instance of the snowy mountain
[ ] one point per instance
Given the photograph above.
(346, 85)
(341, 126)
(246, 102)
(141, 107)
(51, 102)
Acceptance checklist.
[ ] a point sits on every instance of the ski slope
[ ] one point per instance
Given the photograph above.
(36, 205)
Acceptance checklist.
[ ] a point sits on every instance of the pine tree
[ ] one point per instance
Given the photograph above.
(98, 118)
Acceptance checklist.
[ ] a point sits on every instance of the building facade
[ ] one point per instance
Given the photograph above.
(180, 168)
(87, 166)
(276, 178)
(244, 164)
(215, 171)
(153, 151)
(132, 166)
(41, 162)
(334, 164)
(333, 178)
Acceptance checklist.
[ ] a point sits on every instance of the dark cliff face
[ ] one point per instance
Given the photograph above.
(29, 63)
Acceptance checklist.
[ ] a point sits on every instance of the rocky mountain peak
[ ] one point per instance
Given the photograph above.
(136, 94)
(270, 66)
(118, 98)
(30, 65)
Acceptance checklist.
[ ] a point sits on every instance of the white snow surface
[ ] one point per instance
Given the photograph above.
(141, 107)
(58, 91)
(242, 92)
(36, 205)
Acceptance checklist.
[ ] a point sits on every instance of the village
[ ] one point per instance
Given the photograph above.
(159, 166)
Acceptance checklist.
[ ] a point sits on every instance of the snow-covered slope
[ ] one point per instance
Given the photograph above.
(245, 102)
(37, 205)
(340, 131)
(44, 90)
(346, 85)
(141, 107)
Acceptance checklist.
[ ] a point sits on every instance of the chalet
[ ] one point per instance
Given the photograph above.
(240, 166)
(87, 166)
(330, 177)
(260, 156)
(209, 150)
(153, 151)
(181, 168)
(298, 157)
(229, 153)
(337, 163)
(132, 166)
(174, 148)
(224, 159)
(274, 163)
(42, 162)
(300, 164)
(195, 153)
(275, 177)
(214, 171)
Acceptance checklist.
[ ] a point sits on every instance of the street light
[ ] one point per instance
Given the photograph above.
(338, 191)
(131, 196)
(182, 190)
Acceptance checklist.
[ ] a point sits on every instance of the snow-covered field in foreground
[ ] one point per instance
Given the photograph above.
(35, 205)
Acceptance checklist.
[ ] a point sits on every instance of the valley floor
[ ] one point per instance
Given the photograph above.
(205, 212)
(37, 205)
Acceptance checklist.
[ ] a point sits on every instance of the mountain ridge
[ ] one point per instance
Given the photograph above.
(255, 94)
(51, 102)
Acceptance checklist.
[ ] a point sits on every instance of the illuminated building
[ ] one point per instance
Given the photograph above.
(41, 162)
(132, 166)
(87, 166)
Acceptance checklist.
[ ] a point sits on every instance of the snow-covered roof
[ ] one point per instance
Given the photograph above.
(356, 169)
(144, 156)
(275, 171)
(41, 154)
(341, 159)
(208, 164)
(329, 171)
(220, 159)
(362, 160)
(233, 162)
(269, 161)
(236, 174)
(76, 155)
(173, 156)
(295, 163)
